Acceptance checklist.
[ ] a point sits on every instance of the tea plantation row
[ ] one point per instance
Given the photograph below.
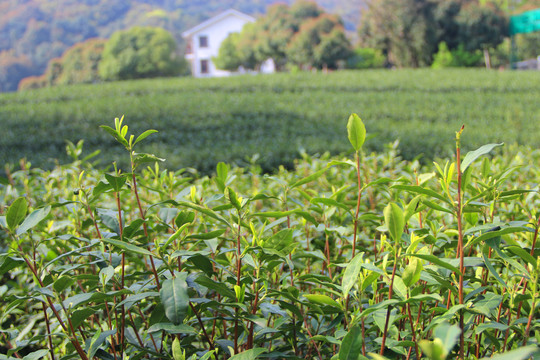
(204, 121)
(376, 258)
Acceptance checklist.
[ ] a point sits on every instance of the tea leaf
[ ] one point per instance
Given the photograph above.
(250, 354)
(116, 135)
(33, 219)
(433, 349)
(422, 190)
(16, 213)
(233, 198)
(36, 355)
(172, 329)
(351, 345)
(132, 299)
(412, 272)
(8, 263)
(473, 155)
(116, 182)
(356, 131)
(141, 158)
(130, 248)
(350, 276)
(62, 283)
(322, 300)
(208, 235)
(106, 274)
(435, 260)
(518, 354)
(177, 352)
(448, 334)
(491, 325)
(436, 206)
(97, 340)
(216, 286)
(309, 178)
(525, 256)
(204, 210)
(143, 136)
(78, 316)
(497, 233)
(393, 217)
(331, 202)
(493, 271)
(175, 299)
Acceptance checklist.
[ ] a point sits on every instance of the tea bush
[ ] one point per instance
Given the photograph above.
(202, 122)
(366, 258)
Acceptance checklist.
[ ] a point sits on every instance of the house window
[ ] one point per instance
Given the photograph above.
(203, 41)
(204, 67)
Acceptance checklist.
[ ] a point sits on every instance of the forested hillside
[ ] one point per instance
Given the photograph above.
(34, 31)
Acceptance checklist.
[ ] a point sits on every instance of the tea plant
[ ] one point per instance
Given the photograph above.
(202, 122)
(371, 258)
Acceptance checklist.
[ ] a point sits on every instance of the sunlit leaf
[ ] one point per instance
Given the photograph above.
(356, 131)
(16, 213)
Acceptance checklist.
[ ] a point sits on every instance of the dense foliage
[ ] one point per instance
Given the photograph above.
(203, 122)
(141, 52)
(339, 259)
(302, 35)
(78, 65)
(416, 28)
(32, 32)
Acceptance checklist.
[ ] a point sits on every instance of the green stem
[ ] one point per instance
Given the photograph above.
(531, 313)
(459, 215)
(359, 180)
(238, 274)
(123, 265)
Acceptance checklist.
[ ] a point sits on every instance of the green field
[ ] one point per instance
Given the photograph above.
(204, 121)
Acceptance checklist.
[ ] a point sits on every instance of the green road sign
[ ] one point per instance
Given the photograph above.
(526, 22)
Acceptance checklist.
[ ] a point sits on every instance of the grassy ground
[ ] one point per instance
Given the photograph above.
(204, 121)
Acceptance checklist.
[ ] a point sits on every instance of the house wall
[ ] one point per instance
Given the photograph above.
(215, 34)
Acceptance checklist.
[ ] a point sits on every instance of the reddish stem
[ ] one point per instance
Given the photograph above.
(51, 347)
(460, 240)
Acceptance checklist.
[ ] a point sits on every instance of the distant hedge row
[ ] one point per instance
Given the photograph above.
(202, 122)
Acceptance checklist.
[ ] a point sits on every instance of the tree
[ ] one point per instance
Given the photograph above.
(481, 27)
(273, 32)
(447, 29)
(12, 69)
(80, 63)
(402, 29)
(228, 57)
(366, 58)
(240, 49)
(140, 52)
(301, 34)
(409, 31)
(320, 42)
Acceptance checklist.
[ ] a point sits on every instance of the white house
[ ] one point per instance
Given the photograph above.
(204, 40)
